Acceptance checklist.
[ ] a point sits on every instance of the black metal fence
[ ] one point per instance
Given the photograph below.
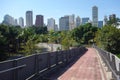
(111, 61)
(27, 67)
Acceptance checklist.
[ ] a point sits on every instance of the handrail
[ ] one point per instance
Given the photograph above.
(107, 62)
(115, 74)
(36, 68)
(14, 68)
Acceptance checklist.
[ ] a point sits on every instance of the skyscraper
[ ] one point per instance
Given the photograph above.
(78, 21)
(8, 20)
(21, 22)
(51, 24)
(39, 20)
(29, 18)
(64, 23)
(85, 20)
(95, 16)
(72, 21)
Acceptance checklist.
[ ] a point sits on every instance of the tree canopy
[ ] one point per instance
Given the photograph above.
(108, 38)
(84, 33)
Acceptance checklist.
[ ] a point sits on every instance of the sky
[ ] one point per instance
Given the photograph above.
(58, 8)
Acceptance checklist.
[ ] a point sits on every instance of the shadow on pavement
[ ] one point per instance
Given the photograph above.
(62, 69)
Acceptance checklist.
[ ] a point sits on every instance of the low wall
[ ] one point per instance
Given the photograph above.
(27, 67)
(111, 61)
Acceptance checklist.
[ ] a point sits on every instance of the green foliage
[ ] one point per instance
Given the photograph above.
(113, 22)
(108, 38)
(17, 40)
(29, 37)
(40, 30)
(3, 47)
(28, 48)
(65, 40)
(54, 37)
(118, 55)
(8, 35)
(84, 33)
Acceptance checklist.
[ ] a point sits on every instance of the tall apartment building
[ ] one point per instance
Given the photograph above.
(95, 16)
(78, 21)
(39, 21)
(21, 22)
(51, 24)
(29, 18)
(64, 23)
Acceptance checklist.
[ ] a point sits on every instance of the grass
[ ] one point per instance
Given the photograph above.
(118, 55)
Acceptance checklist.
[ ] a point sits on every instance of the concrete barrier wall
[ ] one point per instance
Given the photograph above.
(4, 66)
(23, 68)
(111, 60)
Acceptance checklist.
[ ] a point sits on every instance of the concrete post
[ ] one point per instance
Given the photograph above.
(48, 60)
(15, 73)
(114, 63)
(36, 64)
(57, 58)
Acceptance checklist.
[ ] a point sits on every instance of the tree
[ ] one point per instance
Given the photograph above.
(84, 33)
(12, 38)
(3, 47)
(27, 39)
(40, 30)
(8, 43)
(65, 39)
(113, 22)
(54, 37)
(108, 38)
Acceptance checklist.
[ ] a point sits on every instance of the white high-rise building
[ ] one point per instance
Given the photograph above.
(78, 21)
(72, 22)
(29, 18)
(21, 22)
(95, 16)
(51, 24)
(8, 20)
(64, 23)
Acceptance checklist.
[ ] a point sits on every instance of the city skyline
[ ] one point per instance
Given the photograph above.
(56, 9)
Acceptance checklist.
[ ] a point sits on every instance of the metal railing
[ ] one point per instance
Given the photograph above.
(111, 61)
(27, 67)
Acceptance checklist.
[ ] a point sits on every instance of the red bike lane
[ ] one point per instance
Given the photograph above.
(87, 67)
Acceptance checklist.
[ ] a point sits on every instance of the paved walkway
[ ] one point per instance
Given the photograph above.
(86, 68)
